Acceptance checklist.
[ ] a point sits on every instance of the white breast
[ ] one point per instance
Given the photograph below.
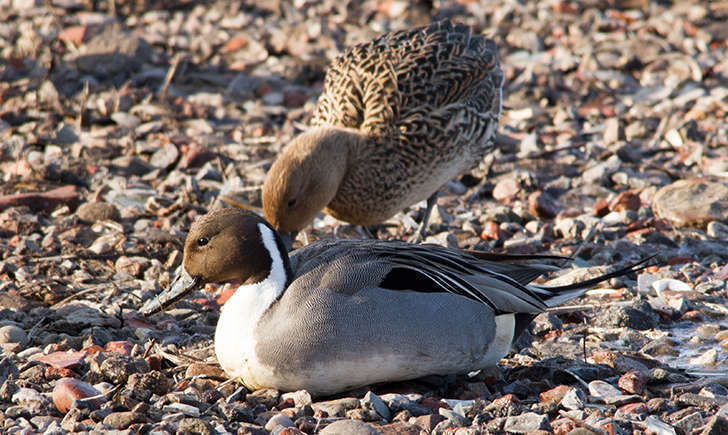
(234, 336)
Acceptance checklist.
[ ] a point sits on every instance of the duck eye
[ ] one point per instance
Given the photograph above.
(292, 202)
(202, 241)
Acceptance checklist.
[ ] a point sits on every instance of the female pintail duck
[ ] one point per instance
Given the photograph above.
(342, 314)
(399, 117)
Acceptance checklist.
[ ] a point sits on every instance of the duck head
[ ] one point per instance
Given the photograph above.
(222, 245)
(306, 176)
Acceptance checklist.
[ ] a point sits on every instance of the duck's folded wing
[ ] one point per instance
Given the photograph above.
(498, 280)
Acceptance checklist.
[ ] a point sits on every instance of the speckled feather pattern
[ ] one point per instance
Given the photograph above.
(427, 99)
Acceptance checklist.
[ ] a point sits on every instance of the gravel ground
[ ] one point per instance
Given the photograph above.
(120, 122)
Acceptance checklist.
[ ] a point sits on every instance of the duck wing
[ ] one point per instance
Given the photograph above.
(391, 83)
(500, 281)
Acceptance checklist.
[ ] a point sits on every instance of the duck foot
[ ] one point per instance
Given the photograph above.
(422, 229)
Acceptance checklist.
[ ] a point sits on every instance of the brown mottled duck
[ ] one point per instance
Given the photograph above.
(399, 117)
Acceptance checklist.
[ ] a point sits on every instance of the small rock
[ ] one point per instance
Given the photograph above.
(267, 396)
(195, 426)
(573, 399)
(338, 407)
(633, 382)
(505, 189)
(184, 408)
(613, 131)
(526, 423)
(658, 427)
(12, 334)
(427, 422)
(95, 211)
(717, 425)
(691, 202)
(373, 401)
(689, 422)
(542, 205)
(278, 420)
(164, 157)
(69, 390)
(122, 420)
(625, 201)
(706, 359)
(300, 397)
(639, 316)
(349, 427)
(717, 230)
(8, 370)
(457, 419)
(555, 394)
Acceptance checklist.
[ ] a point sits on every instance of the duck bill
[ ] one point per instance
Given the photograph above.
(182, 285)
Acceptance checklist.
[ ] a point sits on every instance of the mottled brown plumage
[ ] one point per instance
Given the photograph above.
(399, 117)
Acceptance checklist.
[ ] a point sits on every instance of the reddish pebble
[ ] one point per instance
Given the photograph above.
(632, 382)
(290, 431)
(634, 408)
(90, 350)
(234, 44)
(287, 403)
(73, 35)
(59, 372)
(625, 201)
(69, 390)
(601, 208)
(542, 205)
(555, 394)
(121, 347)
(491, 231)
(155, 362)
(433, 403)
(61, 359)
(506, 400)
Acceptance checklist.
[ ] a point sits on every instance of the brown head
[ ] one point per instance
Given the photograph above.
(306, 176)
(223, 245)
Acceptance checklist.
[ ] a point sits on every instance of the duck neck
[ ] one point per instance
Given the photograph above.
(330, 151)
(273, 280)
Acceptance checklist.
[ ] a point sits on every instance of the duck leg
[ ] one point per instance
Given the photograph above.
(422, 229)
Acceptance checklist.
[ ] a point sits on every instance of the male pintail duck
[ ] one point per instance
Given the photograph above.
(399, 117)
(340, 314)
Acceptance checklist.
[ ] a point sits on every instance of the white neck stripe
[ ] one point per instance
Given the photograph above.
(277, 276)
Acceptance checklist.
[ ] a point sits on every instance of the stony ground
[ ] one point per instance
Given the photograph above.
(120, 122)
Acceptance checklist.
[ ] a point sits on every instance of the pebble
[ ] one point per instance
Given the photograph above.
(336, 408)
(348, 427)
(69, 390)
(278, 420)
(691, 202)
(374, 402)
(573, 399)
(457, 419)
(633, 382)
(12, 334)
(690, 422)
(185, 409)
(706, 359)
(527, 423)
(122, 420)
(91, 212)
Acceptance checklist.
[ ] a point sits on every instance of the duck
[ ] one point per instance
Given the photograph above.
(336, 315)
(398, 118)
